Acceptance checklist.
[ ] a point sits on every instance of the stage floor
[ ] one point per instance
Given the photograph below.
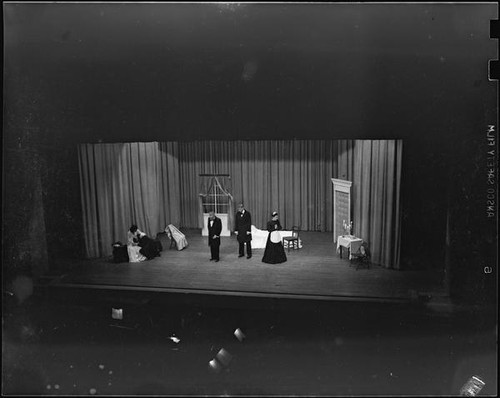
(313, 272)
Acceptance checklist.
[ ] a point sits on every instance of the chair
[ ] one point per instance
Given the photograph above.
(173, 243)
(292, 240)
(362, 257)
(177, 238)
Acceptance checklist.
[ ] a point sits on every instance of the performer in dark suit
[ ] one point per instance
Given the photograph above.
(243, 230)
(214, 230)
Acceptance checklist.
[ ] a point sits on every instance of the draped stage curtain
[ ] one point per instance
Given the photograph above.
(291, 177)
(124, 184)
(154, 184)
(376, 197)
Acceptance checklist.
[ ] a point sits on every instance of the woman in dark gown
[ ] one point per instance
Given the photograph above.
(274, 252)
(148, 247)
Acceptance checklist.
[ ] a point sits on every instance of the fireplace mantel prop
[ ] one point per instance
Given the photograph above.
(341, 207)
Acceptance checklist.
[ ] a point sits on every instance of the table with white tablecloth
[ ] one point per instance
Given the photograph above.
(350, 242)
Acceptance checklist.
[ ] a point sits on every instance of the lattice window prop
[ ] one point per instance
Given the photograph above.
(216, 197)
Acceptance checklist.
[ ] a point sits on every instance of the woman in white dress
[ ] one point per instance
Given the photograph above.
(133, 248)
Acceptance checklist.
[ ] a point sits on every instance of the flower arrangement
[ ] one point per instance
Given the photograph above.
(347, 227)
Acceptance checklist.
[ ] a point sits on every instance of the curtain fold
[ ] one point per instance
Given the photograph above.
(376, 198)
(89, 199)
(156, 184)
(124, 184)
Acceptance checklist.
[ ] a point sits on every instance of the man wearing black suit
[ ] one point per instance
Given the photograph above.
(214, 230)
(243, 230)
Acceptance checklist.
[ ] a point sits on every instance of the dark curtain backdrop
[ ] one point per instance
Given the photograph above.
(291, 177)
(124, 184)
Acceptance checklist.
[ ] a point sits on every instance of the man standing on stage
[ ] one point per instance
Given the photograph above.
(214, 230)
(243, 230)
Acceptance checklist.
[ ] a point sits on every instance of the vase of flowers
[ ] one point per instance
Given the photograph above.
(347, 227)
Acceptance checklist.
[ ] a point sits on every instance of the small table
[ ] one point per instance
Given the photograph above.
(350, 242)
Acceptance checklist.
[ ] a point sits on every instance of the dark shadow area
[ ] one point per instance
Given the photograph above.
(67, 343)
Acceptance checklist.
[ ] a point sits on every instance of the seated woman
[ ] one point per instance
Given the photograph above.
(274, 253)
(149, 248)
(133, 248)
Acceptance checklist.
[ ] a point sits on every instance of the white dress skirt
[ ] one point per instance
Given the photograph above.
(133, 254)
(133, 247)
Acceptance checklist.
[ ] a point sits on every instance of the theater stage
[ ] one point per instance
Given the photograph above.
(315, 271)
